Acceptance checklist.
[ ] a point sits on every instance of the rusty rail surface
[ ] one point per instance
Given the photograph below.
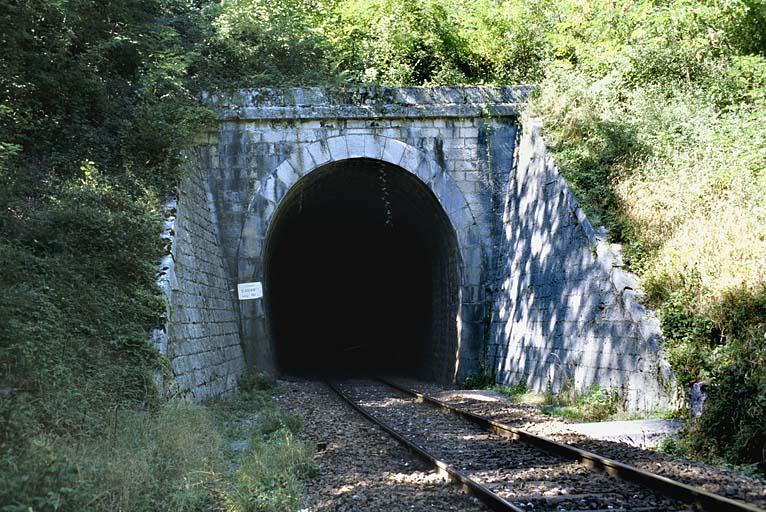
(663, 485)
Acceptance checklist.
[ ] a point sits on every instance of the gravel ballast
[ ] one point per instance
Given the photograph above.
(358, 466)
(530, 478)
(528, 417)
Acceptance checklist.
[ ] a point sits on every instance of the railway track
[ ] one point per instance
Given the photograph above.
(511, 470)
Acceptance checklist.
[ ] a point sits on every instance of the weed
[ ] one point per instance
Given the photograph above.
(270, 475)
(258, 381)
(485, 378)
(596, 404)
(516, 392)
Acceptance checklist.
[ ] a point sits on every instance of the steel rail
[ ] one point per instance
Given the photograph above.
(683, 492)
(488, 497)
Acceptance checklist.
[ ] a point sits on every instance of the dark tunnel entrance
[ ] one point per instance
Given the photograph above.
(362, 275)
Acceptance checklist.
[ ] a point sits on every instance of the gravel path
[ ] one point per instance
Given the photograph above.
(359, 467)
(529, 418)
(528, 477)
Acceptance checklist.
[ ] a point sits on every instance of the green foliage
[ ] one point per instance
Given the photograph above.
(596, 404)
(173, 459)
(35, 477)
(271, 474)
(595, 150)
(509, 41)
(94, 117)
(485, 378)
(143, 462)
(439, 42)
(78, 81)
(260, 42)
(79, 302)
(94, 112)
(258, 381)
(516, 392)
(736, 402)
(153, 461)
(274, 421)
(691, 335)
(656, 113)
(673, 446)
(735, 411)
(395, 42)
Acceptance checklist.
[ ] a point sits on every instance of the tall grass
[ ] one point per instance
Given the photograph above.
(178, 459)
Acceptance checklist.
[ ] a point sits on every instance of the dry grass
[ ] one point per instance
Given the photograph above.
(688, 182)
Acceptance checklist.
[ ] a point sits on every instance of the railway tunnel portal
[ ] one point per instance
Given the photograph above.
(419, 231)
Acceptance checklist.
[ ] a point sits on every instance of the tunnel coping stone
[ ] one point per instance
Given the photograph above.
(368, 102)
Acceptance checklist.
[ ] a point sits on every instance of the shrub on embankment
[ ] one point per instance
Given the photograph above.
(656, 113)
(97, 103)
(92, 116)
(238, 454)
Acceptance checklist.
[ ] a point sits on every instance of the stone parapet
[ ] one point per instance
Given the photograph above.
(368, 102)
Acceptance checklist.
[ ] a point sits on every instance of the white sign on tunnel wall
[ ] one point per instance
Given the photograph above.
(247, 291)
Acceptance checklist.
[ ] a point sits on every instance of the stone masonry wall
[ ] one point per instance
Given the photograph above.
(203, 342)
(544, 299)
(566, 315)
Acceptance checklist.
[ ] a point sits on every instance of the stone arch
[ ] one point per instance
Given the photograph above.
(311, 156)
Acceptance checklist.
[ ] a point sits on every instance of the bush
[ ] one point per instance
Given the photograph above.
(516, 392)
(273, 421)
(734, 412)
(144, 462)
(258, 381)
(485, 378)
(260, 42)
(655, 112)
(690, 216)
(691, 336)
(736, 403)
(598, 404)
(270, 477)
(66, 349)
(34, 477)
(393, 42)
